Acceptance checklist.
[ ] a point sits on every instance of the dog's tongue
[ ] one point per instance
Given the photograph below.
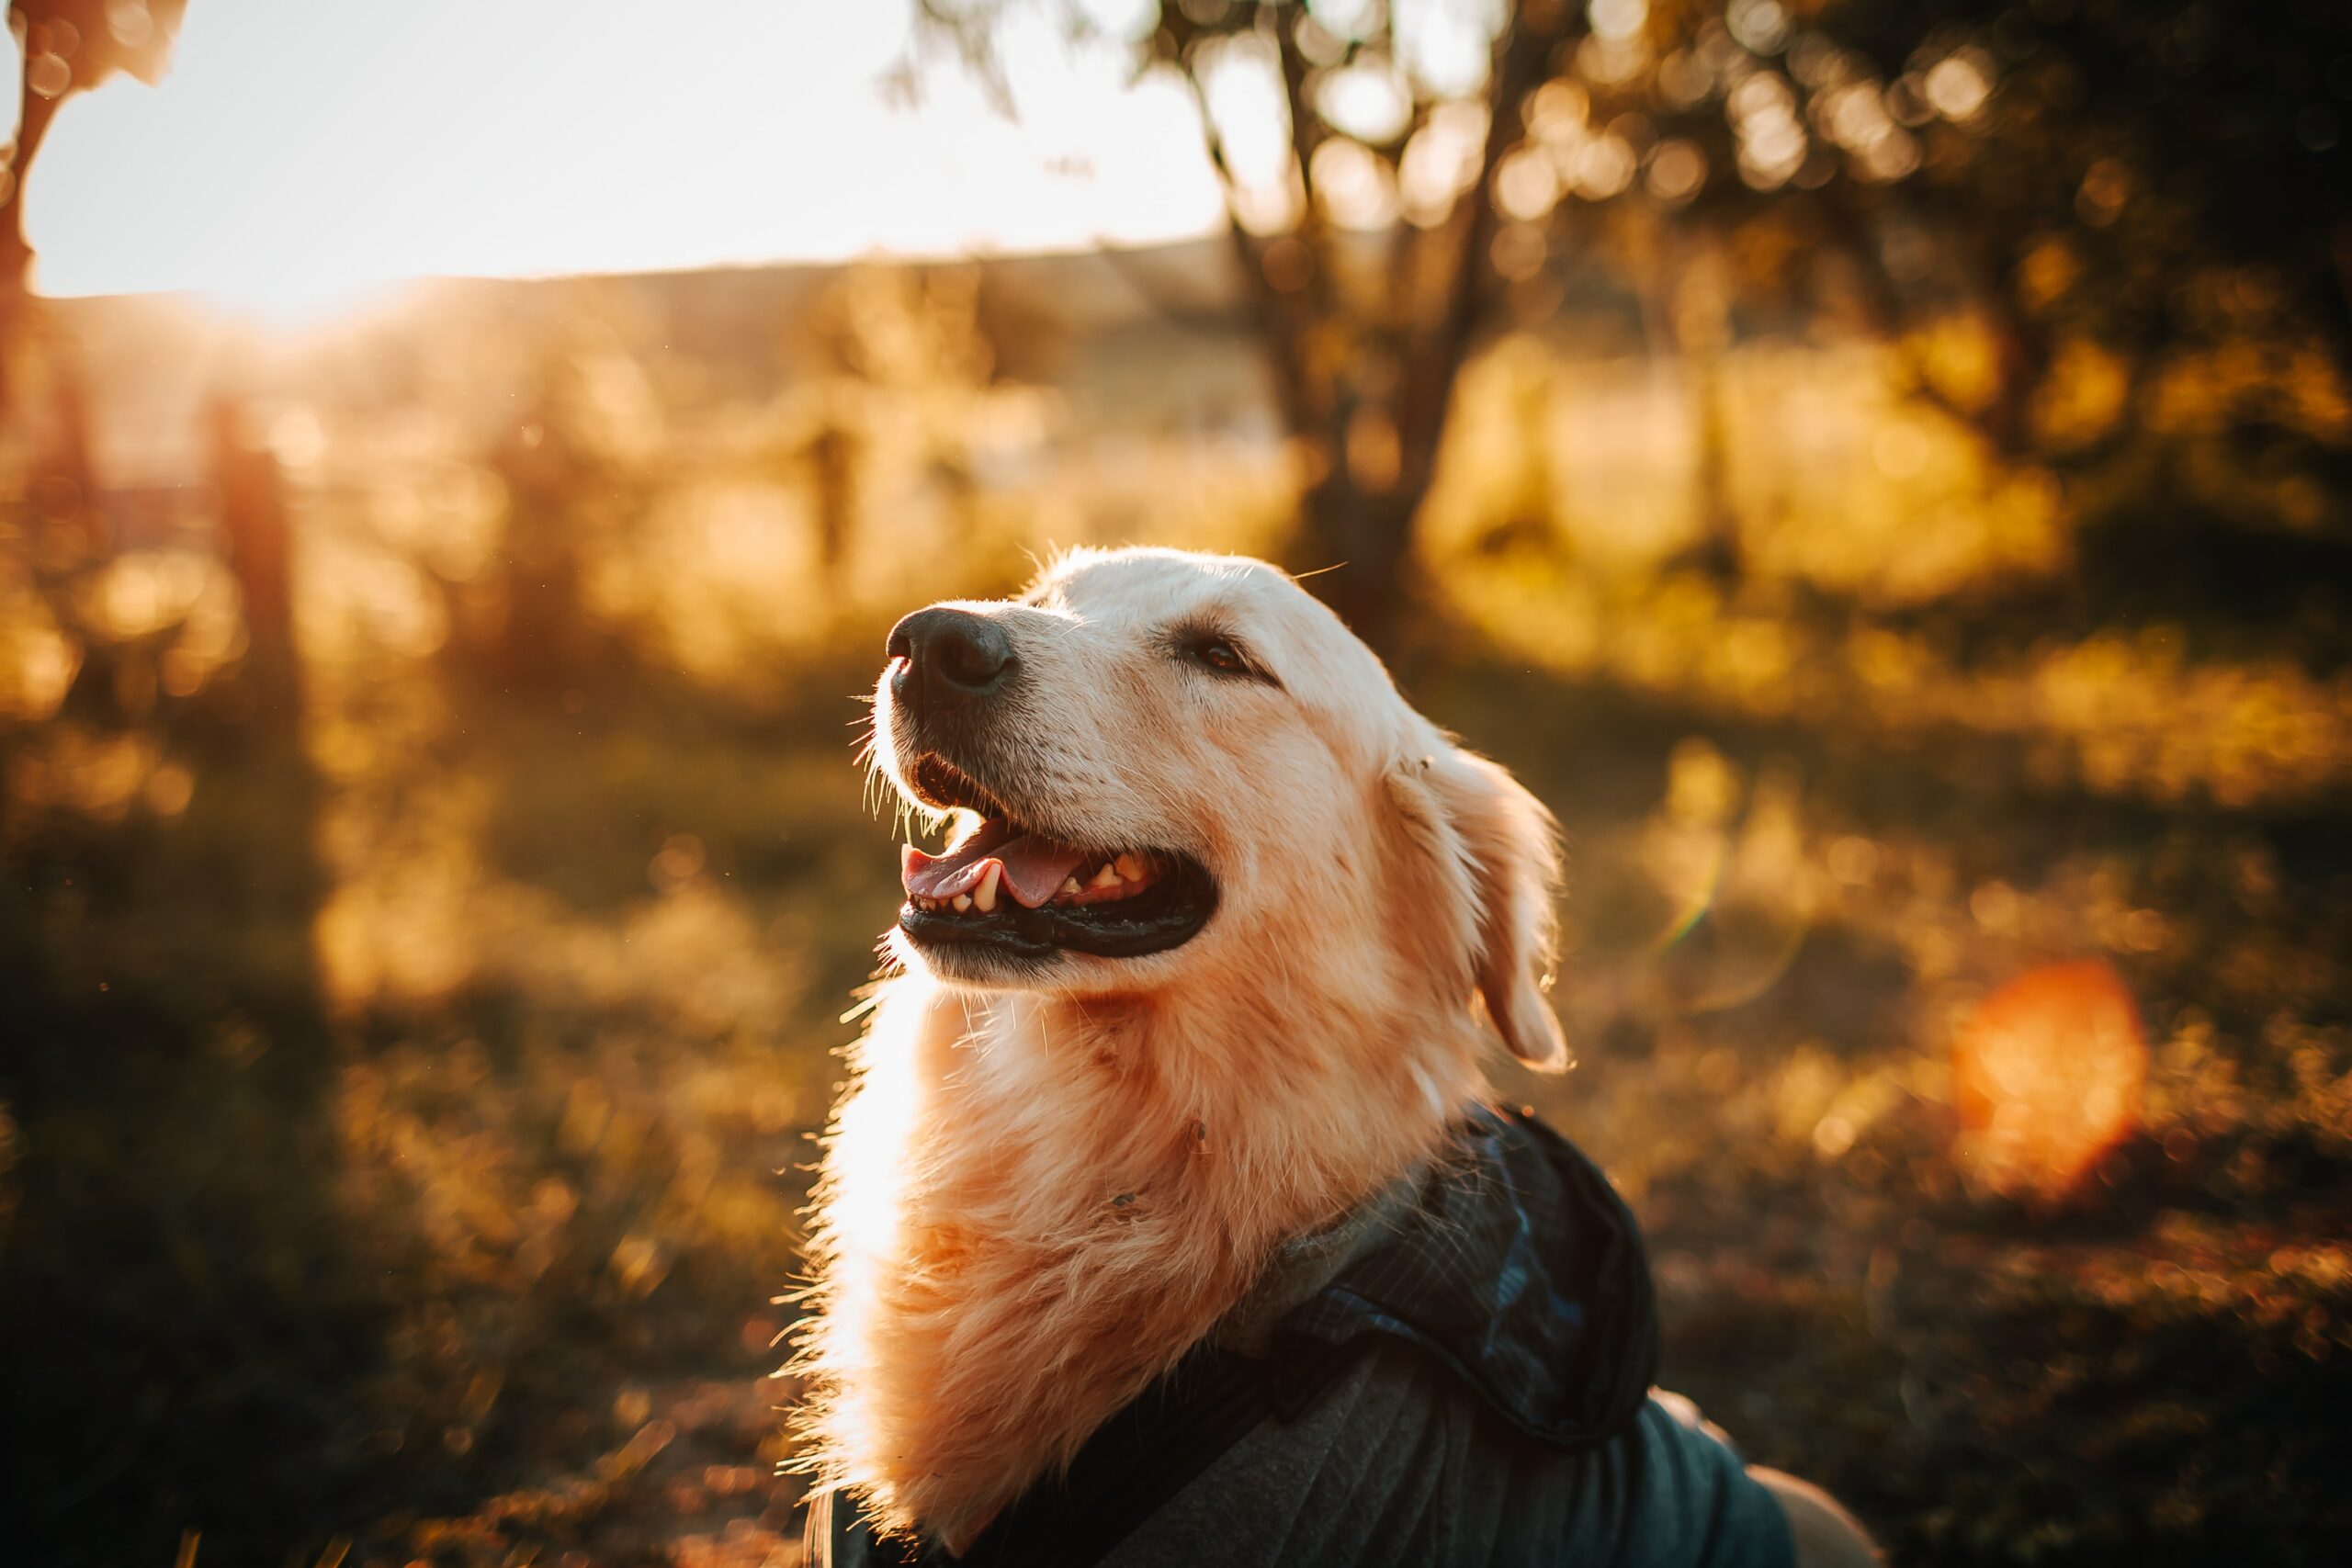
(1034, 866)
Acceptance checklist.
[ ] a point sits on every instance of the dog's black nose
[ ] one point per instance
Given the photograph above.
(945, 656)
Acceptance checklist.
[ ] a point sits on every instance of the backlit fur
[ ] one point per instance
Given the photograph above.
(1045, 1184)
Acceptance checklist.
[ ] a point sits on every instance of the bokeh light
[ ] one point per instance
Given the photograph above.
(2047, 1076)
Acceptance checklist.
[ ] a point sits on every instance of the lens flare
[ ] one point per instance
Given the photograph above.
(2046, 1077)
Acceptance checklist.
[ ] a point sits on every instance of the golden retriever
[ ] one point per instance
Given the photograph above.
(1205, 968)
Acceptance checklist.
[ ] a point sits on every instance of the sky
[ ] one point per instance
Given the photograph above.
(302, 149)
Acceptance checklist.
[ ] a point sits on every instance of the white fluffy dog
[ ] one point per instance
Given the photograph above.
(1205, 969)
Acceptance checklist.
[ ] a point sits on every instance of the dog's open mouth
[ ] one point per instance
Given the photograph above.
(1006, 885)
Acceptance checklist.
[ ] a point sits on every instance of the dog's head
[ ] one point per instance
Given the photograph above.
(1181, 771)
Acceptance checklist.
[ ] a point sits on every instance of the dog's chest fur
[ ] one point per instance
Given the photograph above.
(1030, 1212)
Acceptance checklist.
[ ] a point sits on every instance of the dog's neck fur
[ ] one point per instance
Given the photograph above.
(1031, 1207)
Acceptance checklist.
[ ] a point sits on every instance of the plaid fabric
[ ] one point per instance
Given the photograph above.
(1521, 1271)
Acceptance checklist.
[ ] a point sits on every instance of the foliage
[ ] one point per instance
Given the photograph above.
(2112, 193)
(2065, 214)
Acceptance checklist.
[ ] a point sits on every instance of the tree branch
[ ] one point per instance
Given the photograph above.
(1284, 349)
(1522, 60)
(1305, 137)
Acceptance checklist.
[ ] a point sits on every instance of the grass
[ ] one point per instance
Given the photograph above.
(399, 1155)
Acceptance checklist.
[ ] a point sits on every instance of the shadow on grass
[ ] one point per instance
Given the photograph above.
(187, 1306)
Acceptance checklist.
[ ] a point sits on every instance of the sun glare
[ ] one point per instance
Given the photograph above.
(299, 147)
(295, 299)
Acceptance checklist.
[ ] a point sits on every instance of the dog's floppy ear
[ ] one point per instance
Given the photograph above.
(1500, 852)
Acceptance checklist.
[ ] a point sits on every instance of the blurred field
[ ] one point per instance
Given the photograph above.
(401, 1135)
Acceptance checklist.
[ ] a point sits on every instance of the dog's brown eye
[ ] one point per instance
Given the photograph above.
(1221, 655)
(1209, 649)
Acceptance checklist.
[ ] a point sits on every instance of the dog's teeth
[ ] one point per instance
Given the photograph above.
(1107, 877)
(1130, 868)
(962, 902)
(1070, 885)
(986, 897)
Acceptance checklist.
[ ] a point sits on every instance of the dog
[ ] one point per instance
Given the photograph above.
(1208, 966)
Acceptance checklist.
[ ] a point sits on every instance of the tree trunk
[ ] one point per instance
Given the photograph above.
(1359, 545)
(34, 113)
(1698, 314)
(253, 536)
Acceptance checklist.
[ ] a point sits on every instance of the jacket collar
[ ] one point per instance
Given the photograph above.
(1513, 1263)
